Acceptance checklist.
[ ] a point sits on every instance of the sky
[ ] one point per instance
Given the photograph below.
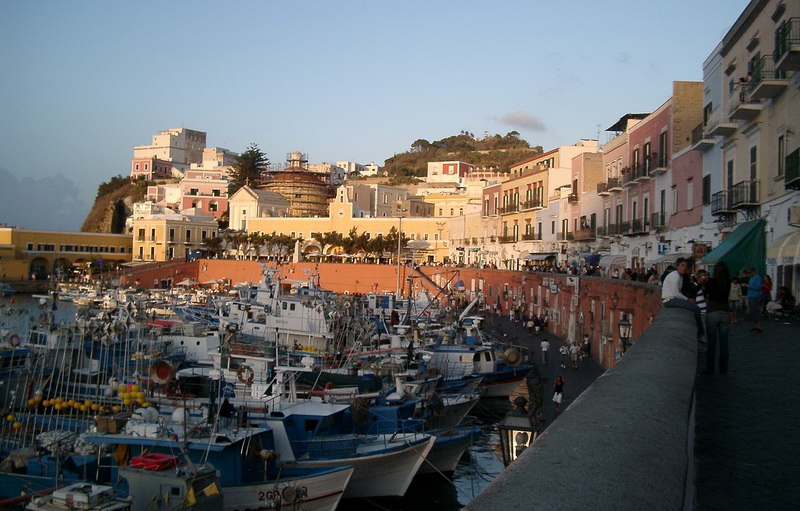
(83, 82)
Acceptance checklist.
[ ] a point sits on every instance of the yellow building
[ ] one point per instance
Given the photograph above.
(160, 234)
(428, 236)
(31, 254)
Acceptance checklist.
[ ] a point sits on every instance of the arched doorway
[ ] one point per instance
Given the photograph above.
(39, 268)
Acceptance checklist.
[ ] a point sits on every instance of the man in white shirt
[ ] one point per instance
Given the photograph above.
(673, 297)
(545, 349)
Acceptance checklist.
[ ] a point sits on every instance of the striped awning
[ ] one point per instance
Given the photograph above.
(785, 250)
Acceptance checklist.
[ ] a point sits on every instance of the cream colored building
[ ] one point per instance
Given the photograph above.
(27, 254)
(430, 235)
(249, 203)
(160, 234)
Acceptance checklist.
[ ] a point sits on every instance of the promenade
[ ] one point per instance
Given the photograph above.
(747, 444)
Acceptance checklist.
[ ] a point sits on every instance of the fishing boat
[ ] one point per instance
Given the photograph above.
(6, 290)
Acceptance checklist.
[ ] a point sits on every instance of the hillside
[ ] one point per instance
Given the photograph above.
(498, 152)
(113, 205)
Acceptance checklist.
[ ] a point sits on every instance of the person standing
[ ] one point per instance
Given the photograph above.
(718, 317)
(558, 392)
(754, 284)
(573, 353)
(735, 298)
(564, 350)
(766, 294)
(587, 347)
(545, 350)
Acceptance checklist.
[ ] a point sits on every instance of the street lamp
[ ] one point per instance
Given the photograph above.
(399, 239)
(517, 431)
(624, 332)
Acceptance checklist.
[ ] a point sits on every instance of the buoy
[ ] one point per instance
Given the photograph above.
(13, 340)
(245, 374)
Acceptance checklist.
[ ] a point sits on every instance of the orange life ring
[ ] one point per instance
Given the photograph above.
(245, 374)
(13, 340)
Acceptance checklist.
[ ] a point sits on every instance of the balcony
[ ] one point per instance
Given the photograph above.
(765, 81)
(745, 194)
(639, 226)
(658, 221)
(572, 198)
(509, 208)
(658, 164)
(629, 177)
(791, 177)
(535, 203)
(715, 125)
(625, 228)
(534, 236)
(643, 172)
(564, 236)
(701, 140)
(741, 106)
(787, 47)
(721, 204)
(602, 189)
(507, 239)
(607, 230)
(614, 184)
(585, 234)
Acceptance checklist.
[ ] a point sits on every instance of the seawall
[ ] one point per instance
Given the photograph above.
(626, 443)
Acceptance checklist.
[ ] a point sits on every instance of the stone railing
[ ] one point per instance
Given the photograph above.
(625, 443)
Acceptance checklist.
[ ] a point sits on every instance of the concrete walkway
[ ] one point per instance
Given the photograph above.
(747, 445)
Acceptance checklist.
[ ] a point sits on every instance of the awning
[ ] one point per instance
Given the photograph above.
(671, 258)
(608, 261)
(592, 259)
(743, 248)
(785, 250)
(539, 256)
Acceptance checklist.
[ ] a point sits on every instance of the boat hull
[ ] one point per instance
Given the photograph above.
(379, 475)
(447, 450)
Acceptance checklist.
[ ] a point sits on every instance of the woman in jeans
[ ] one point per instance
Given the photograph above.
(718, 318)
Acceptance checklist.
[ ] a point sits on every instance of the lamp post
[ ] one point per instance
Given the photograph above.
(517, 431)
(624, 332)
(399, 240)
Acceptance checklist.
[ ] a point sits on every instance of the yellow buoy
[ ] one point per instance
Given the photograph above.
(31, 402)
(17, 425)
(134, 388)
(116, 408)
(95, 407)
(10, 418)
(146, 404)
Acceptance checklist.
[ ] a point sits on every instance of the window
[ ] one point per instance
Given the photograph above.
(152, 234)
(385, 198)
(753, 162)
(426, 236)
(193, 191)
(689, 195)
(730, 175)
(781, 155)
(706, 116)
(172, 234)
(30, 246)
(707, 189)
(636, 160)
(452, 212)
(188, 235)
(553, 227)
(647, 156)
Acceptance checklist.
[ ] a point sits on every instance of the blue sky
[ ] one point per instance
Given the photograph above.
(85, 81)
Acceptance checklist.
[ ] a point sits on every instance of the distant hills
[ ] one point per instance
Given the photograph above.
(499, 152)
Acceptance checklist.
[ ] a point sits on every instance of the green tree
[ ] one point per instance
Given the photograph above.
(248, 168)
(213, 245)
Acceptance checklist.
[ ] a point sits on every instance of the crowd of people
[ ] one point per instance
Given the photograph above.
(719, 299)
